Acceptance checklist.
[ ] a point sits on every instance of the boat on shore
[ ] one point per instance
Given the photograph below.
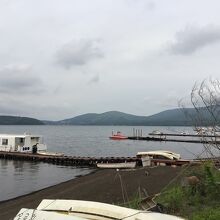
(47, 153)
(160, 154)
(24, 143)
(118, 136)
(93, 211)
(126, 165)
(33, 214)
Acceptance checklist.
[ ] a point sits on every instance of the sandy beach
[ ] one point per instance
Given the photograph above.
(100, 186)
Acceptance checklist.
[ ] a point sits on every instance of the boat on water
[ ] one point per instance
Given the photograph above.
(86, 210)
(160, 154)
(156, 132)
(118, 136)
(126, 165)
(215, 130)
(24, 143)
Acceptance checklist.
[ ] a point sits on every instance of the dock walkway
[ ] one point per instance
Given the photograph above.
(92, 161)
(66, 160)
(202, 141)
(185, 135)
(201, 138)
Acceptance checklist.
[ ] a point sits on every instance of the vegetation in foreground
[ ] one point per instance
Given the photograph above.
(197, 200)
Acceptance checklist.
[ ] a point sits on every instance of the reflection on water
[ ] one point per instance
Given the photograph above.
(18, 178)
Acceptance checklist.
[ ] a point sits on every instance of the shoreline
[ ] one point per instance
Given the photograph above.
(99, 185)
(47, 187)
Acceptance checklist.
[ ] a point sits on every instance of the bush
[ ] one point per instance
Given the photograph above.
(207, 214)
(200, 201)
(173, 199)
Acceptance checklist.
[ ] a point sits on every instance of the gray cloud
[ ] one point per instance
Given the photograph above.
(193, 38)
(149, 5)
(168, 102)
(94, 79)
(19, 78)
(10, 110)
(131, 33)
(13, 105)
(78, 53)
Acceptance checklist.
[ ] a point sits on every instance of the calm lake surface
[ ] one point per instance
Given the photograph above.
(19, 178)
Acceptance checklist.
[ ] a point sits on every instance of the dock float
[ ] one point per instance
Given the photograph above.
(66, 160)
(185, 135)
(92, 161)
(163, 138)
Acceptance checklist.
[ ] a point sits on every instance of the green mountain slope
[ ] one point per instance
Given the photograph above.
(15, 120)
(107, 118)
(173, 117)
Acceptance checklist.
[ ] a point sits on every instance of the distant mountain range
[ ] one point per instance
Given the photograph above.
(15, 120)
(172, 117)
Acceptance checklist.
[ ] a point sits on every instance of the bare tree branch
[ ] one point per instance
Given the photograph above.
(205, 99)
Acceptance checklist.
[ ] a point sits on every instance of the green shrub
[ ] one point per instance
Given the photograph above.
(200, 200)
(173, 199)
(207, 214)
(134, 203)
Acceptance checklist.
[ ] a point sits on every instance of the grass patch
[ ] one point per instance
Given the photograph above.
(198, 201)
(207, 214)
(133, 203)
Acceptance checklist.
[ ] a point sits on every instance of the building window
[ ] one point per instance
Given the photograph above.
(4, 141)
(21, 140)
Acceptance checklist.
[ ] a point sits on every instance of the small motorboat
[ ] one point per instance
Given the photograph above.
(51, 209)
(160, 154)
(156, 132)
(118, 136)
(126, 165)
(47, 153)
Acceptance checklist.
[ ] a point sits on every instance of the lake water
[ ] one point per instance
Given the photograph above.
(18, 178)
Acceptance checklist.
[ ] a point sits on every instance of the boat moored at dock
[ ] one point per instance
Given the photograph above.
(160, 154)
(125, 165)
(24, 143)
(118, 136)
(46, 153)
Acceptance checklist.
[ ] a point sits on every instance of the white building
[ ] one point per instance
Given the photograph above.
(21, 143)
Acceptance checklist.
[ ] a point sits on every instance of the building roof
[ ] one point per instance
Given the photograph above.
(18, 135)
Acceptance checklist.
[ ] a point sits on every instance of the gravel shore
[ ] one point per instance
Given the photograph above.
(100, 186)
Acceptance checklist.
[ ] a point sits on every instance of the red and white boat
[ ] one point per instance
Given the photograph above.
(118, 136)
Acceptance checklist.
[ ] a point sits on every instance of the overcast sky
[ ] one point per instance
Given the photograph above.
(59, 59)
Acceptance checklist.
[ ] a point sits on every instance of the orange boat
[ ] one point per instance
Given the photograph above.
(118, 136)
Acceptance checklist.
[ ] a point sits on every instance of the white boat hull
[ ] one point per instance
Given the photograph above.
(47, 153)
(160, 153)
(100, 211)
(116, 165)
(32, 214)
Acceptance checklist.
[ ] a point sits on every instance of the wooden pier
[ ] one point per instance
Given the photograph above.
(163, 138)
(172, 137)
(92, 161)
(185, 135)
(67, 160)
